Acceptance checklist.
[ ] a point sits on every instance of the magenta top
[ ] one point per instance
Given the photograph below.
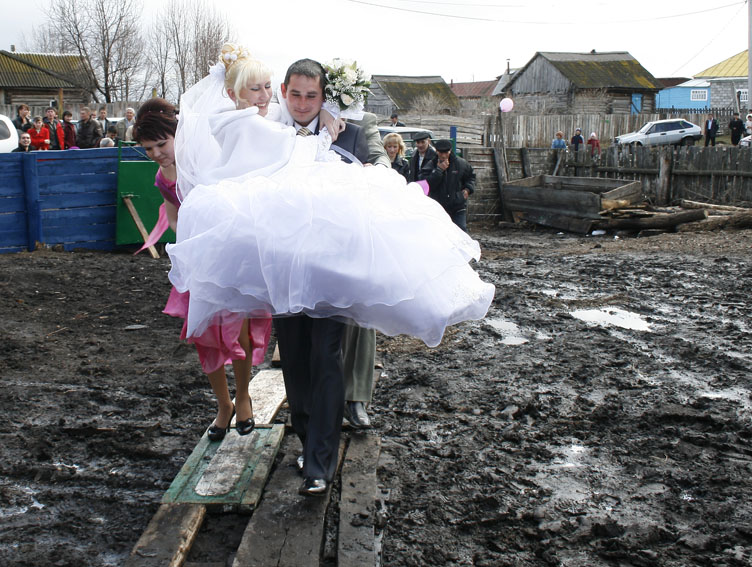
(167, 188)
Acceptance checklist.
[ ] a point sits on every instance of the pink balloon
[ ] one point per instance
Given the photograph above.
(506, 104)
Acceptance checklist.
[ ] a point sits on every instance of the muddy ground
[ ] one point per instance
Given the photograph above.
(600, 415)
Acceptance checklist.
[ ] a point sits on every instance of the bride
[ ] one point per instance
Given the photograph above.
(274, 223)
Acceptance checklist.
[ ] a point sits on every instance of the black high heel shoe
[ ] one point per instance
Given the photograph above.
(245, 427)
(216, 433)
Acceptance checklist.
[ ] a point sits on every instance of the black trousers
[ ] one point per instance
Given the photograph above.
(311, 353)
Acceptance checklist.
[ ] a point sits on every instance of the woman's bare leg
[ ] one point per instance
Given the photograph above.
(218, 381)
(242, 369)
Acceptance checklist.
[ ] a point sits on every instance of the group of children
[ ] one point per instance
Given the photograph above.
(577, 142)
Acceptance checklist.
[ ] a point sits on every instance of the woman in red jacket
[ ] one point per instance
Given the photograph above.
(40, 135)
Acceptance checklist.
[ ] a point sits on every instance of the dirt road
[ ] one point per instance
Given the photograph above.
(600, 415)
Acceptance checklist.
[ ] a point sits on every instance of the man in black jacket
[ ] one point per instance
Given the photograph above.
(710, 130)
(89, 131)
(420, 163)
(736, 127)
(451, 182)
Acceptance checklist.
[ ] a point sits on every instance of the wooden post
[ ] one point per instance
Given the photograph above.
(31, 200)
(664, 176)
(525, 159)
(502, 178)
(140, 225)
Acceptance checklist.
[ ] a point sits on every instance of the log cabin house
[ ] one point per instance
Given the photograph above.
(583, 83)
(38, 79)
(392, 93)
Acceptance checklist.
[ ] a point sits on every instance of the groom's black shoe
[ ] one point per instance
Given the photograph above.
(312, 487)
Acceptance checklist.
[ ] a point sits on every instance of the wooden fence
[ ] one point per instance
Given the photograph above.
(719, 175)
(60, 197)
(537, 131)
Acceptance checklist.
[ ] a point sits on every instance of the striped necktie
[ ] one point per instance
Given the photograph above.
(304, 132)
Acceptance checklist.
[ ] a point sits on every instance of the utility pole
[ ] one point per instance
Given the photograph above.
(749, 57)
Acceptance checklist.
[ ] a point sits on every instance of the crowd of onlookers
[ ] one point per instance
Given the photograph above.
(48, 132)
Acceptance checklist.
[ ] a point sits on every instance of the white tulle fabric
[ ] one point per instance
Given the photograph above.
(267, 227)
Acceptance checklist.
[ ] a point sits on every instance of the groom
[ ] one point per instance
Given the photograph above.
(309, 347)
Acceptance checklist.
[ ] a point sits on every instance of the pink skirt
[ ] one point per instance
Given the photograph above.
(219, 345)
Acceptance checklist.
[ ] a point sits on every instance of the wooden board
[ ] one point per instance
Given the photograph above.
(168, 537)
(557, 201)
(357, 506)
(287, 529)
(231, 473)
(267, 389)
(631, 192)
(592, 184)
(562, 222)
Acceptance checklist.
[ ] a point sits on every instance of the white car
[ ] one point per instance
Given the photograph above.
(662, 132)
(8, 135)
(745, 142)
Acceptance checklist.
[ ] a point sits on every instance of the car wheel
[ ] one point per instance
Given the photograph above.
(688, 142)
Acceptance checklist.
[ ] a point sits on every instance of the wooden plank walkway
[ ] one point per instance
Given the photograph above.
(285, 529)
(171, 532)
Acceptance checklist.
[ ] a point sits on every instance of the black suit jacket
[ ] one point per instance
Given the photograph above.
(352, 139)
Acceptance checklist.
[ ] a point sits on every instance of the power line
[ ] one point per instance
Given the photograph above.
(533, 22)
(704, 47)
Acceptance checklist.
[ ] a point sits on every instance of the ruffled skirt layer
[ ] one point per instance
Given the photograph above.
(326, 239)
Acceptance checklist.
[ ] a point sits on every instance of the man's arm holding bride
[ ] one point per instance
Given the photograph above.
(376, 152)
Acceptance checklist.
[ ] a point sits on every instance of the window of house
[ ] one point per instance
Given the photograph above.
(698, 94)
(743, 95)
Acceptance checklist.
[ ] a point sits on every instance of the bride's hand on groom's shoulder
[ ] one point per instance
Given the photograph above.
(332, 124)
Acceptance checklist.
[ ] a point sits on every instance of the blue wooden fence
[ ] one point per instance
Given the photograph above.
(60, 197)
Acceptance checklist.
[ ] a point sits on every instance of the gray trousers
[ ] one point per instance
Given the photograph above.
(358, 358)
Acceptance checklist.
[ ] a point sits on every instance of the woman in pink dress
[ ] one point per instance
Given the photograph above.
(242, 342)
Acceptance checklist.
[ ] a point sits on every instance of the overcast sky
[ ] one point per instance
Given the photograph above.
(464, 40)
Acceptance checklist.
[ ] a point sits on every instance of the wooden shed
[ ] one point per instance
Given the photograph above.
(392, 93)
(476, 97)
(583, 83)
(37, 79)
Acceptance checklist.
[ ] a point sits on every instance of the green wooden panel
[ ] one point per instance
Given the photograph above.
(136, 179)
(246, 488)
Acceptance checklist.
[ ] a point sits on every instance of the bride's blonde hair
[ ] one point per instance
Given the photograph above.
(241, 69)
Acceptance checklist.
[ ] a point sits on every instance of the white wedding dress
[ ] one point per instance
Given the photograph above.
(272, 223)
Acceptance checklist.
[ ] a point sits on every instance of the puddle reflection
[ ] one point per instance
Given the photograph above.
(612, 316)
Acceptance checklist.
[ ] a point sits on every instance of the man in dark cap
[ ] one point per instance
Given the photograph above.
(451, 181)
(395, 120)
(420, 163)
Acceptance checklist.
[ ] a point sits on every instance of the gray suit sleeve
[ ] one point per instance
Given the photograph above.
(376, 152)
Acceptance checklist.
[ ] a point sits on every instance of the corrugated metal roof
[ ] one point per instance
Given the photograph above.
(504, 81)
(475, 88)
(42, 70)
(671, 81)
(695, 83)
(735, 66)
(404, 90)
(614, 70)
